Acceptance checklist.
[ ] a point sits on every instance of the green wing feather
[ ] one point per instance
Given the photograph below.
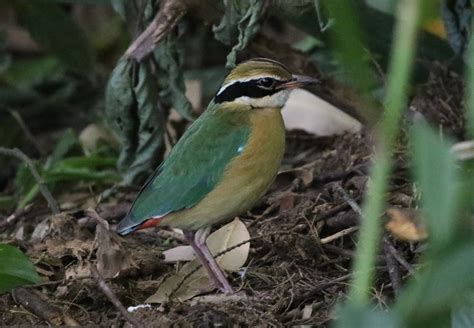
(194, 166)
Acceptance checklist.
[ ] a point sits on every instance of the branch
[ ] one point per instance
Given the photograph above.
(113, 298)
(340, 95)
(165, 20)
(18, 154)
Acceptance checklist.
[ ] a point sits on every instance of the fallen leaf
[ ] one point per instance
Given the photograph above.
(305, 111)
(112, 260)
(180, 253)
(406, 224)
(198, 282)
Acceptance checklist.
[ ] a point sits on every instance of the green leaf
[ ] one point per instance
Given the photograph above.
(463, 317)
(440, 286)
(353, 316)
(26, 73)
(438, 179)
(49, 25)
(15, 269)
(64, 145)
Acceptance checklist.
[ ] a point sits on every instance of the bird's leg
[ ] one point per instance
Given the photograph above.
(197, 240)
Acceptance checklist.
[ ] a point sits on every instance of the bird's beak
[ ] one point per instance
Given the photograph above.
(298, 81)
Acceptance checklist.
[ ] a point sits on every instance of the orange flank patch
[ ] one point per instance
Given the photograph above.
(153, 222)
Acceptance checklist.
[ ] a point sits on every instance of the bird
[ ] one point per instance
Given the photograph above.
(223, 163)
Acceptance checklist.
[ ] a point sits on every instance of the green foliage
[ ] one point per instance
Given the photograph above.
(54, 30)
(438, 177)
(349, 43)
(61, 166)
(15, 269)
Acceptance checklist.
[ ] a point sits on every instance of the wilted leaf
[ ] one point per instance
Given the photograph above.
(53, 29)
(239, 24)
(438, 178)
(15, 269)
(171, 77)
(135, 115)
(305, 111)
(227, 236)
(406, 224)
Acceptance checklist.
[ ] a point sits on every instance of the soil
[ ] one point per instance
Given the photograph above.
(291, 276)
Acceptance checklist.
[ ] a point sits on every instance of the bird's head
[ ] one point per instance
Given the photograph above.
(260, 83)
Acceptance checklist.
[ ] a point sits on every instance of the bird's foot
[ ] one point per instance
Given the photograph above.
(225, 288)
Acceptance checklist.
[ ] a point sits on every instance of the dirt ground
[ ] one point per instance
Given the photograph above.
(303, 238)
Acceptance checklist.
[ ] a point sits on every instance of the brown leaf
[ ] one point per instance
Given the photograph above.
(406, 224)
(112, 259)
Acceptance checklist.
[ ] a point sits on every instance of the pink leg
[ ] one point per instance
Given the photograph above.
(197, 240)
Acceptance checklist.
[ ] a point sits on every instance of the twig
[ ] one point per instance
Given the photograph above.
(317, 289)
(392, 268)
(338, 235)
(113, 298)
(26, 131)
(34, 304)
(348, 199)
(400, 259)
(165, 20)
(90, 212)
(15, 152)
(15, 216)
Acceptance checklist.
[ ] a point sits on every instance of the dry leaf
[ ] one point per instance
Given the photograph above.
(180, 253)
(305, 111)
(111, 256)
(224, 238)
(406, 224)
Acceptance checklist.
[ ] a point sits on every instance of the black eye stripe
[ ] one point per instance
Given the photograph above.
(248, 88)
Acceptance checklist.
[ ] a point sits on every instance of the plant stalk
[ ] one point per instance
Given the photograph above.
(395, 102)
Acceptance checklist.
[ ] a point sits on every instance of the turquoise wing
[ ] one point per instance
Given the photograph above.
(193, 168)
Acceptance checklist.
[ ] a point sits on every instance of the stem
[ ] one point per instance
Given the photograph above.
(470, 85)
(395, 103)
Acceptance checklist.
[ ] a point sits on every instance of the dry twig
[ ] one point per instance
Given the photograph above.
(392, 267)
(113, 298)
(32, 302)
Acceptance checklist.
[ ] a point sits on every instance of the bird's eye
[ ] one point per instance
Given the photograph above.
(266, 83)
